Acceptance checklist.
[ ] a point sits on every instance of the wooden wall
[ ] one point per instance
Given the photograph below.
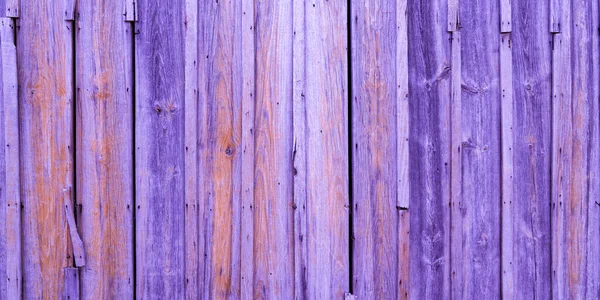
(314, 149)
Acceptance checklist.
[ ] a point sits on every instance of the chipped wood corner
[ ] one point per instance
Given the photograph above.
(12, 9)
(131, 13)
(69, 10)
(349, 296)
(77, 243)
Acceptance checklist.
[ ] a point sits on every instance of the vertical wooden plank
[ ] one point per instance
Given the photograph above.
(507, 141)
(104, 148)
(71, 284)
(374, 166)
(46, 113)
(221, 135)
(453, 14)
(248, 27)
(160, 150)
(402, 146)
(456, 180)
(3, 202)
(321, 200)
(480, 150)
(562, 152)
(576, 200)
(531, 148)
(299, 157)
(192, 216)
(273, 190)
(555, 13)
(593, 229)
(11, 8)
(430, 72)
(11, 177)
(505, 16)
(131, 12)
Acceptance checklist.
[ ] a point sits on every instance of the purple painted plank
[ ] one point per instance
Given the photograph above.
(374, 149)
(480, 150)
(3, 202)
(45, 63)
(104, 148)
(160, 149)
(429, 70)
(531, 150)
(273, 169)
(220, 155)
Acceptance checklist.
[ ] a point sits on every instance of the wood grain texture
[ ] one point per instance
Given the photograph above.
(11, 8)
(374, 168)
(506, 16)
(192, 209)
(248, 148)
(159, 150)
(221, 125)
(456, 186)
(403, 148)
(104, 123)
(46, 113)
(71, 284)
(10, 192)
(480, 150)
(531, 151)
(320, 120)
(431, 70)
(507, 142)
(273, 190)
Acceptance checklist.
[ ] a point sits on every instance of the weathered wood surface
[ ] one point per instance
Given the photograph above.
(159, 150)
(104, 124)
(273, 170)
(531, 151)
(45, 63)
(374, 149)
(271, 149)
(431, 71)
(480, 150)
(9, 165)
(320, 128)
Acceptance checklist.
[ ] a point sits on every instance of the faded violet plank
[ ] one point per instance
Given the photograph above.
(273, 170)
(46, 114)
(71, 284)
(159, 150)
(10, 189)
(480, 150)
(247, 148)
(221, 124)
(374, 149)
(429, 70)
(3, 202)
(321, 190)
(105, 149)
(531, 150)
(562, 151)
(192, 210)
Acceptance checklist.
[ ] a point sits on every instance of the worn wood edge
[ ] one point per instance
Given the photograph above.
(131, 12)
(402, 144)
(69, 10)
(12, 161)
(12, 8)
(402, 109)
(456, 226)
(77, 243)
(192, 216)
(507, 211)
(555, 16)
(70, 284)
(558, 213)
(453, 15)
(299, 151)
(505, 16)
(248, 147)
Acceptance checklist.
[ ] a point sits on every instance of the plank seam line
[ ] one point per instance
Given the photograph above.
(350, 149)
